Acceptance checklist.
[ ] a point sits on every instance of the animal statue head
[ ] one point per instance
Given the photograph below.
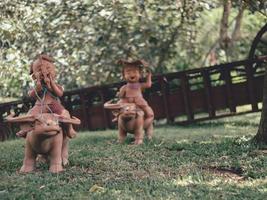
(130, 120)
(45, 123)
(124, 110)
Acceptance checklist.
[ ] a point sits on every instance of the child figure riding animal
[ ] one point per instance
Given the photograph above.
(131, 97)
(48, 124)
(46, 92)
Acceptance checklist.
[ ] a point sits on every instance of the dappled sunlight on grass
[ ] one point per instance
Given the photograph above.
(209, 160)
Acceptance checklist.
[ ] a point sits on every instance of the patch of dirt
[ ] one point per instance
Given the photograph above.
(235, 173)
(140, 174)
(175, 148)
(258, 152)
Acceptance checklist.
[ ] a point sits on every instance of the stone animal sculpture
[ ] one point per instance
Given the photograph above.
(46, 137)
(130, 120)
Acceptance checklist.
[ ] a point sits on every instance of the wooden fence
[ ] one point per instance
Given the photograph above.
(180, 97)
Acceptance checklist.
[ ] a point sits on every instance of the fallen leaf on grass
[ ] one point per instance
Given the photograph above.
(43, 186)
(96, 188)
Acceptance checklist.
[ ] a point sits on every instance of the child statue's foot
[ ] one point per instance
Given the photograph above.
(115, 119)
(22, 133)
(71, 133)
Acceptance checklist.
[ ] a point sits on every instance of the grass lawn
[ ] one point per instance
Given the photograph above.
(209, 160)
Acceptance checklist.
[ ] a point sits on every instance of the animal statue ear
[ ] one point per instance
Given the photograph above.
(72, 120)
(20, 119)
(112, 106)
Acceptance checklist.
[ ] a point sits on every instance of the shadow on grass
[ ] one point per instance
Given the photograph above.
(163, 168)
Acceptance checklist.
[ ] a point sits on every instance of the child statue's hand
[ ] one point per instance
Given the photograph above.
(38, 86)
(51, 79)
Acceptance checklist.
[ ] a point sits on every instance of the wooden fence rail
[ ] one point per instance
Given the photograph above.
(180, 97)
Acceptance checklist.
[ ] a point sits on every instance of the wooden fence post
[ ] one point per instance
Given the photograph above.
(250, 86)
(228, 82)
(164, 93)
(84, 112)
(186, 93)
(208, 93)
(104, 111)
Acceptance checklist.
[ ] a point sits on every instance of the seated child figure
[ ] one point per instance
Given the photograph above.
(47, 92)
(132, 91)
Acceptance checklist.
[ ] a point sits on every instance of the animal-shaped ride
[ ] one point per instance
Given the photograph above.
(130, 120)
(46, 137)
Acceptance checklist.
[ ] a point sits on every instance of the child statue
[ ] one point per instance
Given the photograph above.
(46, 92)
(132, 91)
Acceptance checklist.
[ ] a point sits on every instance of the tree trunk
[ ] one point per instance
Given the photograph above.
(236, 35)
(224, 37)
(261, 136)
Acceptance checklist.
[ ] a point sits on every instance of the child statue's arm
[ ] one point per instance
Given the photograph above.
(37, 88)
(122, 92)
(148, 82)
(57, 89)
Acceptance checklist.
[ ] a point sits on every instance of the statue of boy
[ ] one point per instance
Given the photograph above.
(46, 92)
(132, 91)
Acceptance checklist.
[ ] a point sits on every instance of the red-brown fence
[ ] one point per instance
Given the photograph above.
(180, 97)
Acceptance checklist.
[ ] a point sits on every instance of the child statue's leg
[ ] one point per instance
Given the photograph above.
(71, 133)
(148, 124)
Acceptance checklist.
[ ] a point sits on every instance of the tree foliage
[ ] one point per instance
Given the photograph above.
(87, 37)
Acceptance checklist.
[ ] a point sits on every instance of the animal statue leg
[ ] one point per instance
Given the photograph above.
(56, 155)
(29, 159)
(71, 133)
(149, 131)
(138, 137)
(65, 152)
(149, 117)
(122, 135)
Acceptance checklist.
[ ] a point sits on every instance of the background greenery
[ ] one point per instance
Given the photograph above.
(86, 37)
(211, 160)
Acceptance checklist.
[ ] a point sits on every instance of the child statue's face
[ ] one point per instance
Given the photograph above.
(42, 69)
(131, 74)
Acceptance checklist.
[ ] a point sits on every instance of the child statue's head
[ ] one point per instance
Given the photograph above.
(43, 69)
(131, 70)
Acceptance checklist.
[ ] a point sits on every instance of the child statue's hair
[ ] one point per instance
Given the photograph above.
(140, 64)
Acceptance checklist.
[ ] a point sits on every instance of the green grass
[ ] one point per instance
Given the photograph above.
(209, 160)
